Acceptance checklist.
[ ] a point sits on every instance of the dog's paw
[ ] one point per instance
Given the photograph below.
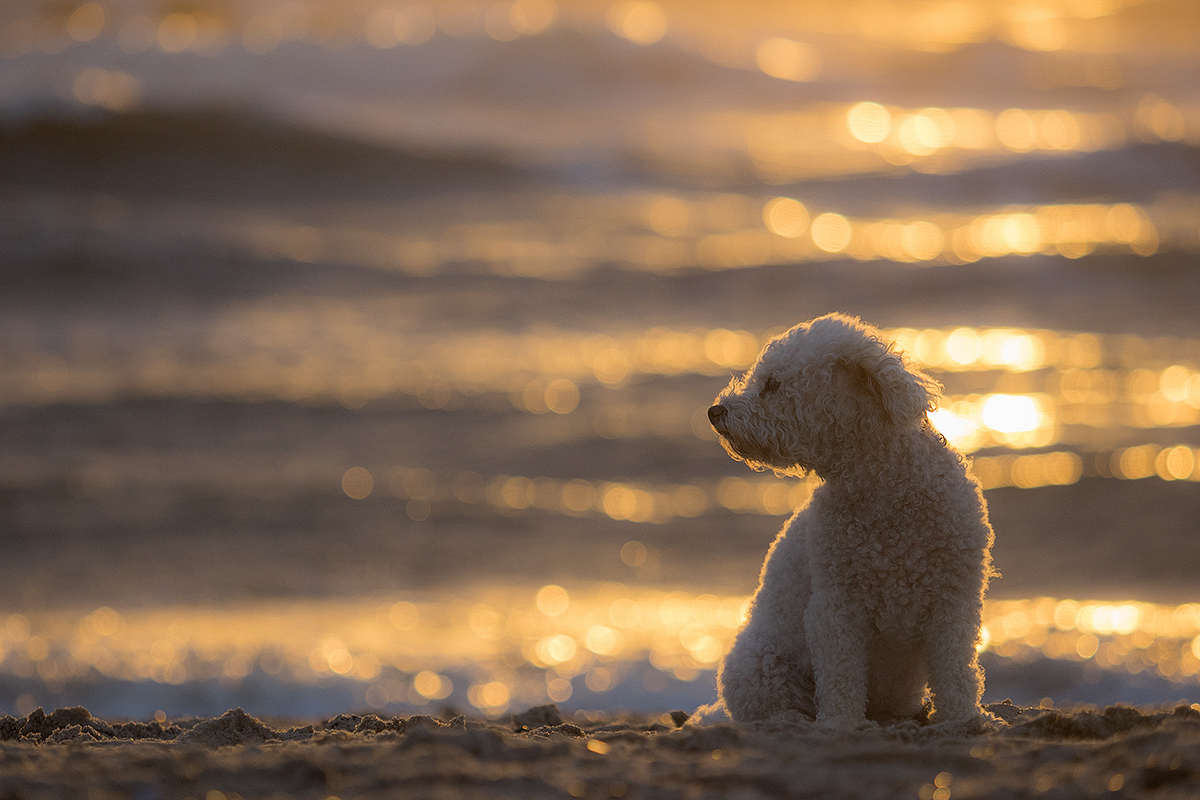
(989, 722)
(976, 724)
(842, 723)
(791, 716)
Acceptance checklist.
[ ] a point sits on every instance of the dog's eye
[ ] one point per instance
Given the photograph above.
(769, 385)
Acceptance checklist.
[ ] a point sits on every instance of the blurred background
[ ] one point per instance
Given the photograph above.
(354, 357)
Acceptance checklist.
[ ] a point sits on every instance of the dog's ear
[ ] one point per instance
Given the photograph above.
(904, 393)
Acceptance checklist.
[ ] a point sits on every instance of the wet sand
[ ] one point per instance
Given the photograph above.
(1117, 752)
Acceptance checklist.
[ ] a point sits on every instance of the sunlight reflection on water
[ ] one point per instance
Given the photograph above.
(563, 237)
(1046, 385)
(520, 647)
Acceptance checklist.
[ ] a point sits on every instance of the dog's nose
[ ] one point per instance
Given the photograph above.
(716, 414)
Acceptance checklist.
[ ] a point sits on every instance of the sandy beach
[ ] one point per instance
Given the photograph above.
(1117, 752)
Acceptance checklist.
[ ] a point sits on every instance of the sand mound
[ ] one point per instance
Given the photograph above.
(237, 727)
(74, 724)
(1117, 752)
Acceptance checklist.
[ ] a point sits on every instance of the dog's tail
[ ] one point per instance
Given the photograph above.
(712, 714)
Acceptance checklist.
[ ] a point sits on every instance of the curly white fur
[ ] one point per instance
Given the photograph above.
(873, 592)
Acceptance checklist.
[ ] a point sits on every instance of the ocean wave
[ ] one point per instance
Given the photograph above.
(227, 154)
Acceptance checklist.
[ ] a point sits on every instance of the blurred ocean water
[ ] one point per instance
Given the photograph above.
(308, 313)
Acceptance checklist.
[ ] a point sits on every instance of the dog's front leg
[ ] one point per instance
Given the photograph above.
(837, 639)
(954, 673)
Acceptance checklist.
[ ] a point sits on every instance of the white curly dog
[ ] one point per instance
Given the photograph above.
(873, 591)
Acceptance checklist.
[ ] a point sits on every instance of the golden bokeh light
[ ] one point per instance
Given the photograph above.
(730, 349)
(1059, 130)
(1176, 463)
(599, 680)
(554, 650)
(786, 217)
(633, 554)
(86, 22)
(357, 483)
(1011, 414)
(1028, 472)
(1159, 120)
(561, 396)
(964, 346)
(1015, 130)
(552, 600)
(432, 686)
(831, 232)
(922, 241)
(403, 615)
(610, 366)
(640, 21)
(869, 122)
(492, 697)
(603, 640)
(926, 132)
(668, 216)
(788, 60)
(559, 690)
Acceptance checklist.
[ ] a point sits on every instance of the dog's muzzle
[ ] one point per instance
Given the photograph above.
(716, 416)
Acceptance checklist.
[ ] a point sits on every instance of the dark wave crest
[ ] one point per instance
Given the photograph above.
(228, 155)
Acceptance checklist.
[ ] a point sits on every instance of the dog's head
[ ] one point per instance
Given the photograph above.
(820, 394)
